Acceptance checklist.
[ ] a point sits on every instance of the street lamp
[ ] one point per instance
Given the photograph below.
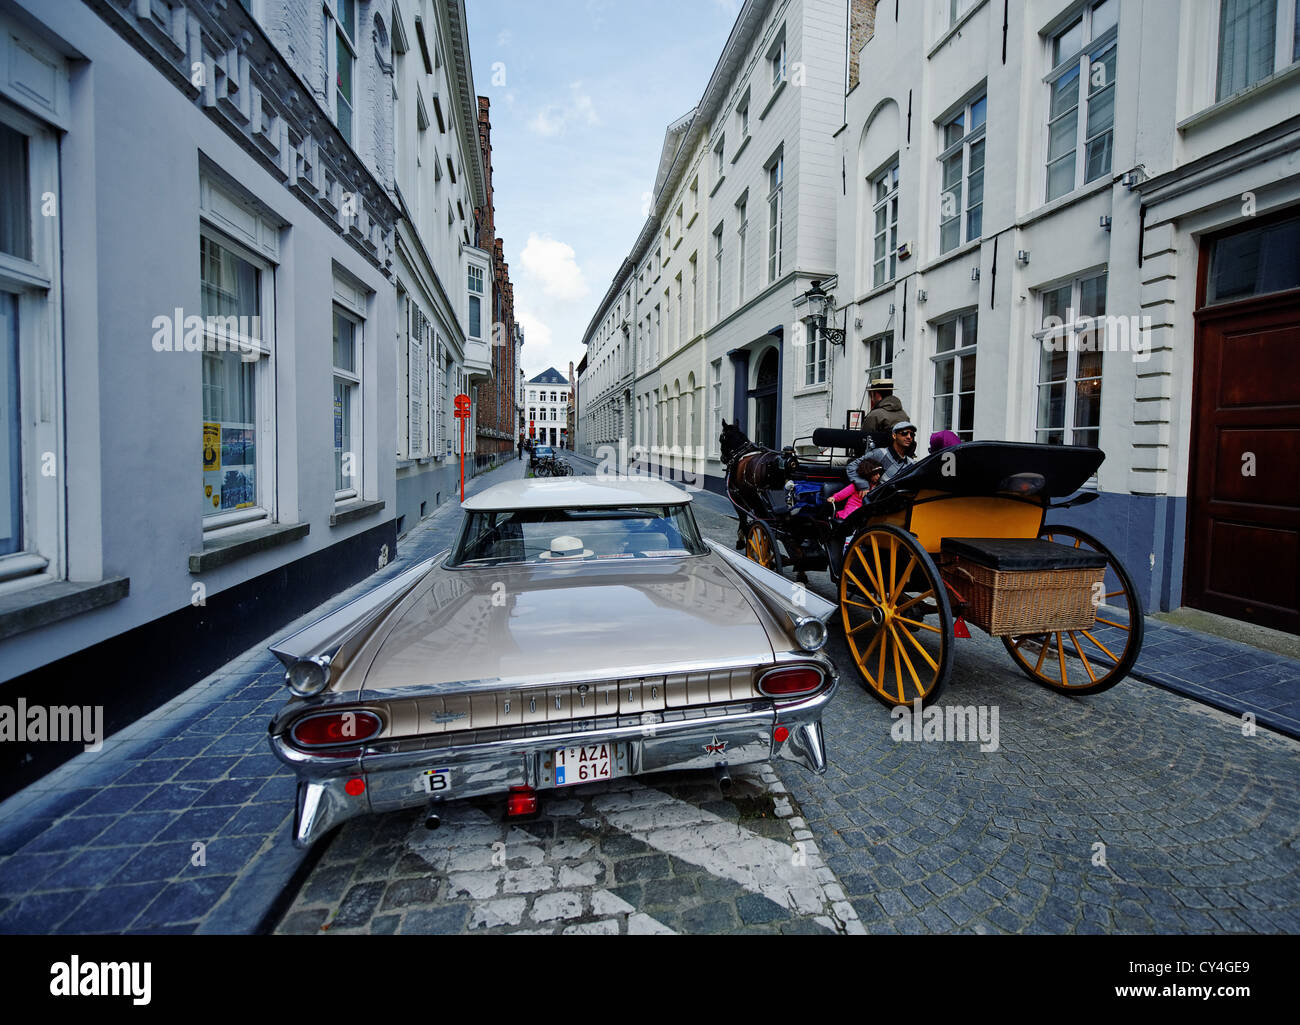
(820, 308)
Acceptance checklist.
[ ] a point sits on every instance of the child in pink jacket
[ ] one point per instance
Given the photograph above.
(851, 496)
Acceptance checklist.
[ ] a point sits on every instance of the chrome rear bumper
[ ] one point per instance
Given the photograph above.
(693, 738)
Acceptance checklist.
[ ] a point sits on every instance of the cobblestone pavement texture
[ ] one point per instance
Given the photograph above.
(1135, 810)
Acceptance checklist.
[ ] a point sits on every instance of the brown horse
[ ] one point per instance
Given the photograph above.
(752, 472)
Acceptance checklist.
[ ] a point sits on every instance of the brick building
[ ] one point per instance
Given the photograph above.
(494, 400)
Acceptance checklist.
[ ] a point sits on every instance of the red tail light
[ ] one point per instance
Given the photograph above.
(785, 683)
(336, 728)
(522, 801)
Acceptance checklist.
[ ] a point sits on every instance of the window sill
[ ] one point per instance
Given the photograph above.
(812, 389)
(677, 244)
(717, 185)
(353, 511)
(1247, 95)
(228, 550)
(952, 254)
(694, 217)
(776, 93)
(1069, 199)
(45, 604)
(740, 149)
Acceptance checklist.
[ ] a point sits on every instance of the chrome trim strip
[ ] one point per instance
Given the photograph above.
(775, 589)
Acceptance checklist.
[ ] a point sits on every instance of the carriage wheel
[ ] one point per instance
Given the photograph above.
(760, 547)
(897, 619)
(1093, 660)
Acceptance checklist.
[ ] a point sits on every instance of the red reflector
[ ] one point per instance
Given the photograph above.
(784, 682)
(959, 628)
(781, 734)
(355, 787)
(522, 801)
(336, 728)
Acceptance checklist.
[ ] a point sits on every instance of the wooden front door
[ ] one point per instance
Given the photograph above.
(1243, 547)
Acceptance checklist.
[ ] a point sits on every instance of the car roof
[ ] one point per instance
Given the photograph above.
(576, 492)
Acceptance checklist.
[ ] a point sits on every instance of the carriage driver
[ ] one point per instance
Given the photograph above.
(893, 457)
(886, 409)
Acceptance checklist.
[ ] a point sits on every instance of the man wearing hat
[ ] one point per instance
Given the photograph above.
(886, 409)
(893, 457)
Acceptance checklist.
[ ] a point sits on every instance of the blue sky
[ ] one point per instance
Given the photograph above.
(581, 93)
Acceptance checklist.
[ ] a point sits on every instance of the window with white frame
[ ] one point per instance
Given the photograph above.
(696, 323)
(961, 201)
(742, 116)
(815, 355)
(347, 405)
(885, 232)
(742, 231)
(1071, 341)
(715, 404)
(475, 302)
(717, 273)
(31, 502)
(238, 390)
(880, 357)
(719, 158)
(775, 182)
(681, 312)
(1081, 99)
(956, 8)
(340, 54)
(1255, 39)
(776, 61)
(954, 375)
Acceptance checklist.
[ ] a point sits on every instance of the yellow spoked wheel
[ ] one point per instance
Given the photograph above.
(760, 547)
(1092, 660)
(897, 619)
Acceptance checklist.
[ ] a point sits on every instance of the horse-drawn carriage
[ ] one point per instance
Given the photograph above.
(961, 536)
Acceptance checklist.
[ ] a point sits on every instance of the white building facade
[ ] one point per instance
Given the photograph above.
(546, 401)
(1077, 223)
(701, 321)
(444, 278)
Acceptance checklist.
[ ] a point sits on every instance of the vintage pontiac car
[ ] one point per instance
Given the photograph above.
(580, 630)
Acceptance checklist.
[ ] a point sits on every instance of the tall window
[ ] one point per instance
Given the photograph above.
(742, 116)
(719, 158)
(697, 324)
(954, 375)
(236, 385)
(681, 312)
(717, 273)
(1071, 341)
(961, 203)
(347, 406)
(715, 403)
(340, 18)
(880, 357)
(11, 465)
(775, 179)
(475, 302)
(815, 360)
(885, 241)
(956, 8)
(776, 62)
(1081, 100)
(658, 336)
(1256, 38)
(742, 215)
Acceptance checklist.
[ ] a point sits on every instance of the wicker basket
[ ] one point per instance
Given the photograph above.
(1007, 603)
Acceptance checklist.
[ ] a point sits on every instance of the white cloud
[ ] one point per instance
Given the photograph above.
(555, 265)
(537, 336)
(555, 118)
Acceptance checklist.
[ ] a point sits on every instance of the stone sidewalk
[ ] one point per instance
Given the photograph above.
(181, 823)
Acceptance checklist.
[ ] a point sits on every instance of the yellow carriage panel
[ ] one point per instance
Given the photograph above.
(936, 515)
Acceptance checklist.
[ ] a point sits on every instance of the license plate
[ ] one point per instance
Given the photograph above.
(437, 781)
(574, 765)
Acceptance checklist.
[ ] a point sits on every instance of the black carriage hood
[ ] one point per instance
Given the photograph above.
(987, 467)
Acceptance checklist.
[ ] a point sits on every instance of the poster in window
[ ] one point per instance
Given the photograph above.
(211, 447)
(229, 467)
(338, 424)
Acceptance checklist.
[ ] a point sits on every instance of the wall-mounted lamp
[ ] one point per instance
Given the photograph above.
(1105, 222)
(975, 274)
(922, 295)
(1022, 256)
(891, 309)
(820, 307)
(1132, 179)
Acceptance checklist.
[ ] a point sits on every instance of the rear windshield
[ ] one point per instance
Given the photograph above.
(568, 536)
